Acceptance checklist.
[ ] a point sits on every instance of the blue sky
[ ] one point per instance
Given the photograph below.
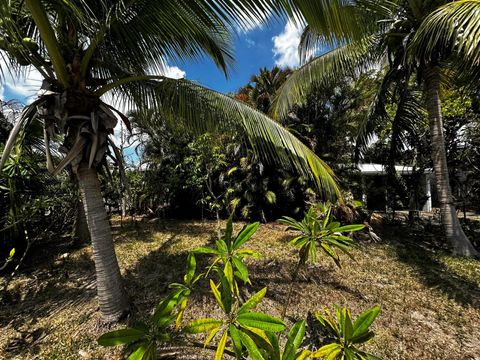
(253, 50)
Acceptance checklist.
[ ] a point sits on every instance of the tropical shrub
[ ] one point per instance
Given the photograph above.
(319, 231)
(228, 251)
(347, 334)
(243, 327)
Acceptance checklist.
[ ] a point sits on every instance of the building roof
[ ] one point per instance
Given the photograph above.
(379, 169)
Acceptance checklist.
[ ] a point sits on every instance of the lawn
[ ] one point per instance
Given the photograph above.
(430, 301)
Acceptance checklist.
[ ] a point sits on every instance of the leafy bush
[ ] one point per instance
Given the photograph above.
(245, 328)
(229, 252)
(347, 334)
(319, 231)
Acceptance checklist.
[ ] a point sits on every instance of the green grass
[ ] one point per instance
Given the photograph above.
(430, 301)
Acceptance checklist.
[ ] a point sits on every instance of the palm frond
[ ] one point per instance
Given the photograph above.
(339, 21)
(311, 42)
(347, 60)
(375, 115)
(453, 27)
(27, 116)
(202, 110)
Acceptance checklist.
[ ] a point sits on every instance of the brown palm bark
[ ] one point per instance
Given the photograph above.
(111, 293)
(453, 230)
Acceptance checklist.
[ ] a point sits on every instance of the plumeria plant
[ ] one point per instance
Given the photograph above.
(348, 334)
(244, 330)
(318, 230)
(231, 255)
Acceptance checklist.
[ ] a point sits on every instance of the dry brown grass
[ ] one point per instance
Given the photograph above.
(430, 301)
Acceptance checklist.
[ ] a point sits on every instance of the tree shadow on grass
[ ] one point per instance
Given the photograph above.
(147, 283)
(48, 292)
(277, 275)
(144, 230)
(422, 256)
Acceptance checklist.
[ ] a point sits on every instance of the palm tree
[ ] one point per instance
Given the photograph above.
(407, 38)
(91, 51)
(265, 85)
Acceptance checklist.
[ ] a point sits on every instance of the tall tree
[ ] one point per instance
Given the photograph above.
(262, 88)
(408, 38)
(88, 51)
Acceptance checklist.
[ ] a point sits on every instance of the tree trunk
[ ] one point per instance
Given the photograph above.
(453, 230)
(111, 293)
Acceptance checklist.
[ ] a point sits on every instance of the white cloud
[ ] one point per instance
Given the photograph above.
(23, 88)
(285, 45)
(174, 72)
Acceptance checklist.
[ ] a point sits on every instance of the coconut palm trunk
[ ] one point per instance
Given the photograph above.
(453, 230)
(111, 293)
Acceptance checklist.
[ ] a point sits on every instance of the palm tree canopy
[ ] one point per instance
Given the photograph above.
(451, 28)
(414, 31)
(400, 36)
(88, 49)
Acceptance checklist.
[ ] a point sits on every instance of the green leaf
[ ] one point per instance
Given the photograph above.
(121, 337)
(229, 231)
(138, 354)
(165, 307)
(275, 350)
(348, 327)
(236, 340)
(226, 290)
(242, 269)
(217, 295)
(304, 354)
(221, 346)
(252, 348)
(247, 252)
(254, 300)
(363, 322)
(333, 225)
(205, 250)
(362, 338)
(228, 272)
(211, 336)
(326, 351)
(191, 267)
(349, 228)
(261, 321)
(203, 325)
(245, 234)
(179, 316)
(330, 252)
(222, 247)
(12, 252)
(295, 338)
